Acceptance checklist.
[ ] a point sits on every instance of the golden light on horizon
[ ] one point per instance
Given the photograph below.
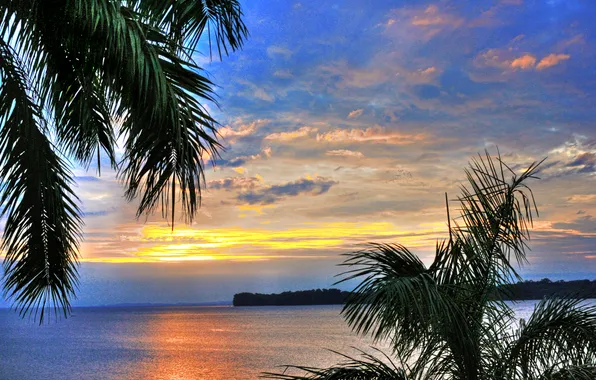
(158, 243)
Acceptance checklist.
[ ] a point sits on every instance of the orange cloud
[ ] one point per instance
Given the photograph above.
(582, 198)
(345, 153)
(552, 60)
(243, 129)
(287, 136)
(428, 71)
(355, 114)
(432, 17)
(372, 134)
(524, 62)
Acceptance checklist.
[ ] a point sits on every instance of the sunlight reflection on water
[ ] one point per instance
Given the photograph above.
(177, 342)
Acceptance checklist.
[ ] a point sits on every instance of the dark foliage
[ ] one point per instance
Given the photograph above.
(76, 75)
(303, 297)
(446, 320)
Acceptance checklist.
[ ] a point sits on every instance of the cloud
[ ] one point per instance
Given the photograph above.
(525, 62)
(241, 160)
(261, 94)
(505, 59)
(355, 114)
(585, 159)
(292, 135)
(234, 183)
(582, 198)
(344, 153)
(551, 60)
(242, 130)
(356, 77)
(583, 224)
(575, 156)
(372, 134)
(428, 71)
(273, 51)
(283, 74)
(575, 40)
(253, 91)
(231, 163)
(274, 193)
(433, 17)
(586, 162)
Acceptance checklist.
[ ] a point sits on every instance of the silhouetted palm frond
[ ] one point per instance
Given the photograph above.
(447, 321)
(84, 73)
(43, 225)
(367, 368)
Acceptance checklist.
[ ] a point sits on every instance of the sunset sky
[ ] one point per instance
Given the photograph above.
(345, 122)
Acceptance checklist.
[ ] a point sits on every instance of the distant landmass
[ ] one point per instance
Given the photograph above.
(526, 290)
(303, 297)
(535, 290)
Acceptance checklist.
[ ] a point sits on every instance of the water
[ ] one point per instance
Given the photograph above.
(177, 342)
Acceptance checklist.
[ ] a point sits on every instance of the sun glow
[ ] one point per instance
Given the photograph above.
(158, 243)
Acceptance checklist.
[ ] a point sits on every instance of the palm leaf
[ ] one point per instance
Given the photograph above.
(87, 65)
(367, 368)
(560, 333)
(43, 224)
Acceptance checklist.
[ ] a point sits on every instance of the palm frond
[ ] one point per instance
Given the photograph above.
(43, 224)
(393, 280)
(367, 368)
(167, 129)
(574, 372)
(70, 86)
(560, 333)
(399, 299)
(87, 65)
(187, 21)
(444, 318)
(496, 214)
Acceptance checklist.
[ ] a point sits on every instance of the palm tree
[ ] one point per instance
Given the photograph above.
(447, 321)
(75, 76)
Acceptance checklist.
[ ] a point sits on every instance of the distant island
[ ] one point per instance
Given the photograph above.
(525, 290)
(302, 297)
(535, 290)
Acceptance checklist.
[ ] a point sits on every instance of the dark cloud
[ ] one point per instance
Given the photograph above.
(233, 183)
(587, 160)
(582, 224)
(274, 193)
(232, 163)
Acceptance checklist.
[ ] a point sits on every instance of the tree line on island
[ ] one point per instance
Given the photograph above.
(302, 297)
(523, 290)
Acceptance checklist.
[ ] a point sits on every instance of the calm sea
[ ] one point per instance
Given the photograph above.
(176, 342)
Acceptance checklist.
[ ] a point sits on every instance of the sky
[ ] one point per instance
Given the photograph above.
(345, 122)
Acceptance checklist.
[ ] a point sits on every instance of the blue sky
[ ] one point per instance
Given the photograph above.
(345, 122)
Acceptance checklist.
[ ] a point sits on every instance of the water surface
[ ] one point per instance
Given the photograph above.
(176, 342)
